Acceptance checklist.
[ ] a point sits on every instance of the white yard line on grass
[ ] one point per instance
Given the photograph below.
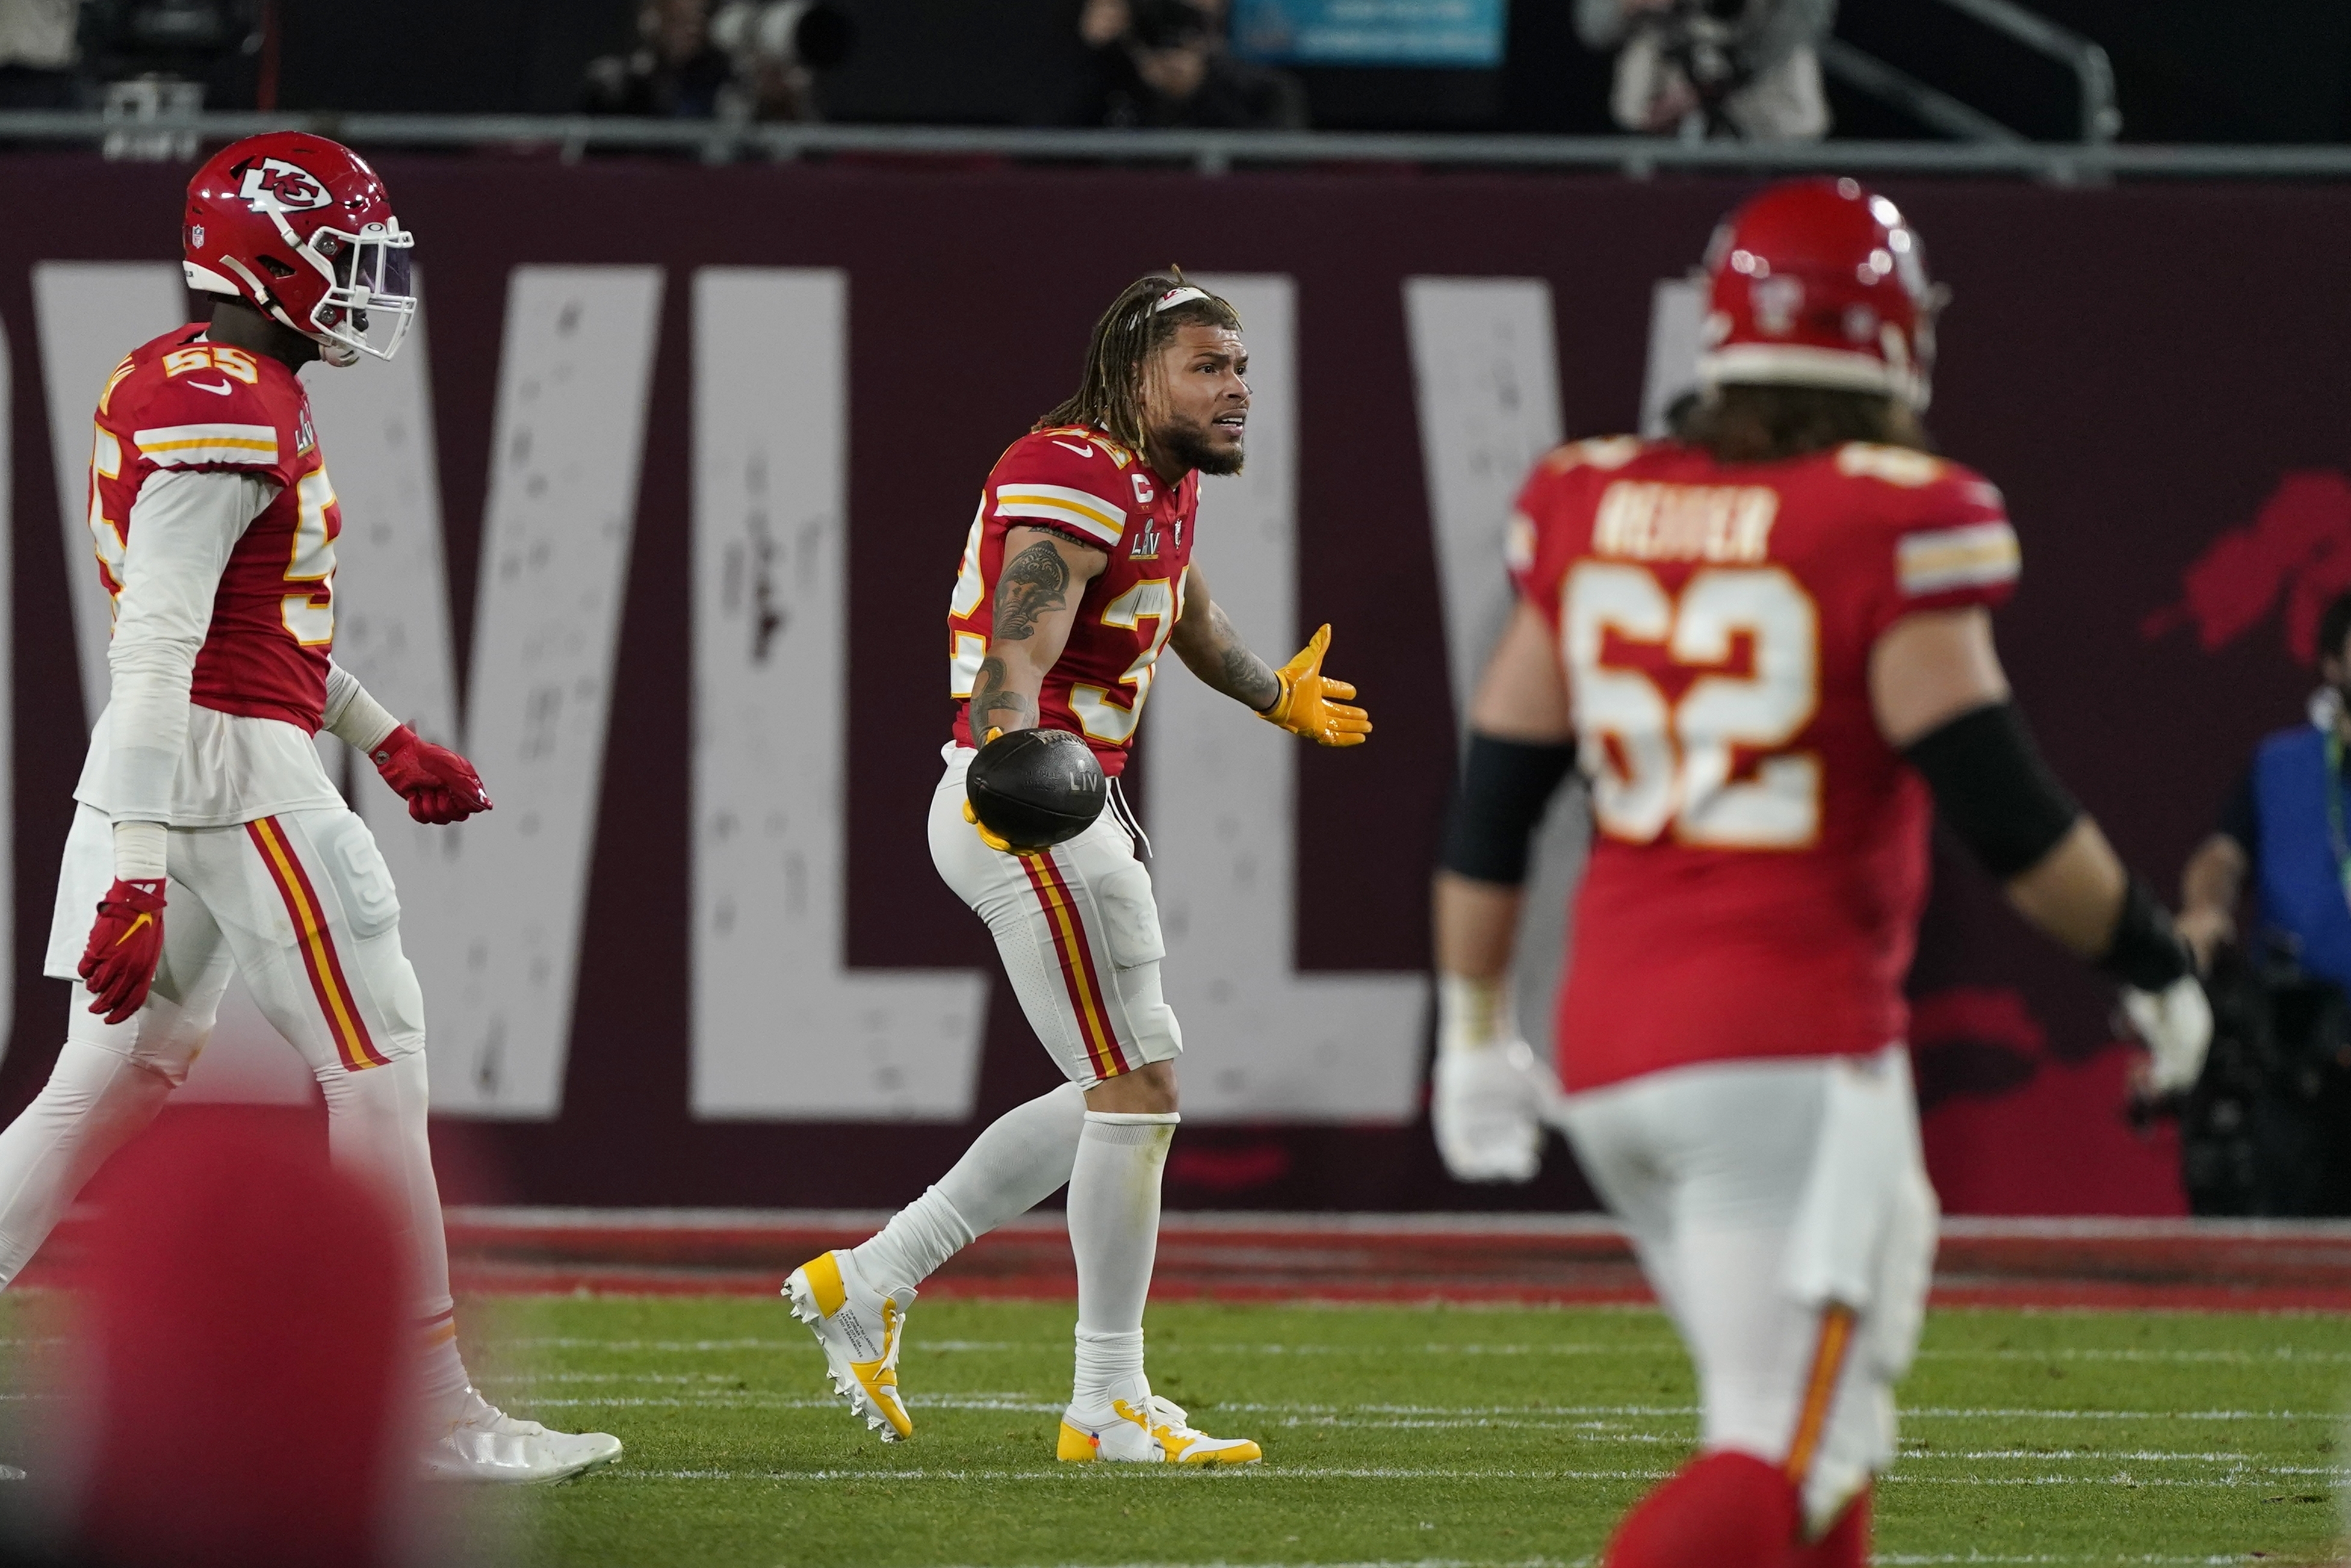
(1885, 1560)
(2282, 1356)
(1412, 1562)
(1935, 1558)
(1115, 1471)
(1915, 1456)
(2243, 1479)
(1543, 1417)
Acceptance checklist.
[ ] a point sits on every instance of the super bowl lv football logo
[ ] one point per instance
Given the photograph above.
(274, 185)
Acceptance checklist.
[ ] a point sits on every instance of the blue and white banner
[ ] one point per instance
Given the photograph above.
(1466, 33)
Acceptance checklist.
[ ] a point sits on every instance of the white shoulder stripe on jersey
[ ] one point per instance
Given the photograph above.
(1974, 556)
(178, 445)
(1081, 510)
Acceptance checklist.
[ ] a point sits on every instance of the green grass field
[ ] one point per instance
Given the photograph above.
(1396, 1435)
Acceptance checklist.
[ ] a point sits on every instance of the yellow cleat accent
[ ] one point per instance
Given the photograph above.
(1077, 1448)
(1161, 1434)
(859, 1328)
(824, 1277)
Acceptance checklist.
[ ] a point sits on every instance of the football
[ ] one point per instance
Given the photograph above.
(1036, 787)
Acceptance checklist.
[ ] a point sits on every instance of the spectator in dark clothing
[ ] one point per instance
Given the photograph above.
(37, 55)
(2283, 829)
(675, 72)
(1162, 63)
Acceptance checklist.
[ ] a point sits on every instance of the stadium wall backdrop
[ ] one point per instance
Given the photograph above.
(676, 488)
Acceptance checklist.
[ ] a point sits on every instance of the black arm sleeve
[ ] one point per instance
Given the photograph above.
(1505, 785)
(1992, 788)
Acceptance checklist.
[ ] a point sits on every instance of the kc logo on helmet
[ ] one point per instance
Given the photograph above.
(1776, 300)
(274, 185)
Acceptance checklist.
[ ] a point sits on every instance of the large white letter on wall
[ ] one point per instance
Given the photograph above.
(507, 892)
(391, 581)
(1261, 1042)
(1483, 359)
(89, 315)
(8, 682)
(783, 1028)
(492, 910)
(1484, 375)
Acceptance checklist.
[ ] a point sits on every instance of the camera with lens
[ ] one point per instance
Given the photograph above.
(2267, 1129)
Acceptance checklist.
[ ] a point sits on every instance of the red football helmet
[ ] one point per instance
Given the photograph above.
(1820, 282)
(300, 227)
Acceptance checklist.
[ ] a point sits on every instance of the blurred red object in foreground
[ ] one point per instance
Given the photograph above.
(243, 1330)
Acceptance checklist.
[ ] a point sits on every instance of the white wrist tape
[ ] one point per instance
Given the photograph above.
(1474, 1013)
(354, 715)
(140, 850)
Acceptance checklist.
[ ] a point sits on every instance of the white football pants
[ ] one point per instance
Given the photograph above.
(1078, 931)
(302, 906)
(1781, 1209)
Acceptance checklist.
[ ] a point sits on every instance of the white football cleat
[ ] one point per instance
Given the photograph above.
(484, 1443)
(859, 1328)
(1159, 1434)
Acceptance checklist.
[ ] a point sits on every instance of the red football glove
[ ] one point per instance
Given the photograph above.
(438, 785)
(118, 964)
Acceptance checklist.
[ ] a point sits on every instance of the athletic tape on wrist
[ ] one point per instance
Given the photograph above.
(1473, 1013)
(140, 851)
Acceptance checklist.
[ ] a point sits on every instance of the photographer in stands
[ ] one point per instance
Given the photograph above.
(1162, 63)
(2268, 1130)
(1748, 68)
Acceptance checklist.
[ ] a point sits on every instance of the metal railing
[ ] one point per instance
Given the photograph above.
(2092, 72)
(1213, 151)
(2101, 120)
(1859, 68)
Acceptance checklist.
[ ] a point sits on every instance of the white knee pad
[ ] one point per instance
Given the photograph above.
(1158, 1036)
(363, 885)
(1130, 918)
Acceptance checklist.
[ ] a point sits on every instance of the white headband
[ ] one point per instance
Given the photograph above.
(1175, 297)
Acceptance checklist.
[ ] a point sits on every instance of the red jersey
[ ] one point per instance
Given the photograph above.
(181, 403)
(1760, 853)
(1078, 482)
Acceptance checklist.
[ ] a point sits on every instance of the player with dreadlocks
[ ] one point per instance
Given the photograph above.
(1076, 572)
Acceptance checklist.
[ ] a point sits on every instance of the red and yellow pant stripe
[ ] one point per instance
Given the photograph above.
(337, 1004)
(1078, 974)
(1829, 1354)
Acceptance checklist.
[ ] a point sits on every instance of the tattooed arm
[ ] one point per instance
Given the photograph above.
(1205, 640)
(1045, 574)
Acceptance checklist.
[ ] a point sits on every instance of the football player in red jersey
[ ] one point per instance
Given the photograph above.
(1770, 649)
(208, 839)
(1077, 572)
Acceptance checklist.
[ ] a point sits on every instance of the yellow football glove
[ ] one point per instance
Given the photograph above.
(992, 839)
(987, 836)
(1304, 707)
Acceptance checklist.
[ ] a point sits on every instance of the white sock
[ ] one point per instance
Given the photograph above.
(376, 1128)
(1017, 1163)
(918, 1239)
(95, 1101)
(1114, 1234)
